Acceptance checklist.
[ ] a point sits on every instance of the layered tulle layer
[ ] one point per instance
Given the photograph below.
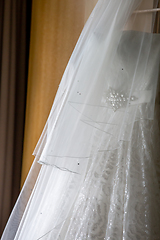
(117, 197)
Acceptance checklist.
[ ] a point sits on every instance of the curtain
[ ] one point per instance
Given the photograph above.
(157, 30)
(56, 26)
(14, 45)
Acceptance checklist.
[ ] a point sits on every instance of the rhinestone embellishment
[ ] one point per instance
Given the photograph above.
(118, 100)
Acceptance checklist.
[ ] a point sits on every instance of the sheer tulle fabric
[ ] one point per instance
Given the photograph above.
(100, 170)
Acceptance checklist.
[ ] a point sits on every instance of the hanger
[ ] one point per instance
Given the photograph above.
(147, 10)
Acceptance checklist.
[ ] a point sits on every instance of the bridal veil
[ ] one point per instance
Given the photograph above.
(99, 153)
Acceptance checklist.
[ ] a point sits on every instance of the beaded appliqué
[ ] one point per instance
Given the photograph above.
(117, 100)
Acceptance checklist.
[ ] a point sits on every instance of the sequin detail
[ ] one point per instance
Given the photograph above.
(118, 100)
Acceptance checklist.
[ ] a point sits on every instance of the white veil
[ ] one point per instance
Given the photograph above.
(98, 66)
(110, 83)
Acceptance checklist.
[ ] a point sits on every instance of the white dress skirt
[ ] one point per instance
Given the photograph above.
(100, 173)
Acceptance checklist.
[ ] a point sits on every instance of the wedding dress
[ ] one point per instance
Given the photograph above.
(99, 151)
